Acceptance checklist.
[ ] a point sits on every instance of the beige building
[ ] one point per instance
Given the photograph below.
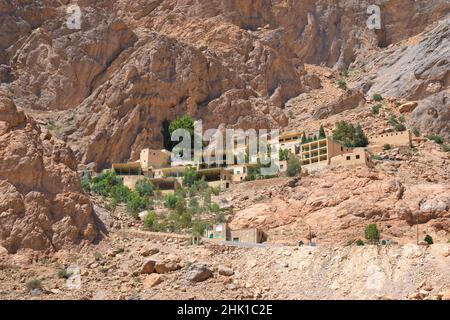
(252, 235)
(154, 159)
(394, 139)
(316, 155)
(222, 232)
(291, 141)
(358, 157)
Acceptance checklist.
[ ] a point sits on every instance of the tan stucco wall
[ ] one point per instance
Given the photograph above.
(350, 159)
(395, 139)
(246, 235)
(154, 158)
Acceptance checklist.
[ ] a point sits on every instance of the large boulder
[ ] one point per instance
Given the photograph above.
(198, 272)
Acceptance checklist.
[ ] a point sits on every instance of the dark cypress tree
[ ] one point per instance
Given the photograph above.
(322, 134)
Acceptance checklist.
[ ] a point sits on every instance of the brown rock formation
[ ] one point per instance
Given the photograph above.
(135, 64)
(42, 205)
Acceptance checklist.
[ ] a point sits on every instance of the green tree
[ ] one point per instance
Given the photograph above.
(397, 124)
(186, 220)
(416, 131)
(120, 193)
(428, 239)
(190, 177)
(377, 97)
(151, 221)
(372, 233)
(145, 187)
(199, 227)
(180, 205)
(342, 84)
(104, 183)
(184, 122)
(214, 207)
(170, 200)
(376, 109)
(284, 154)
(304, 139)
(293, 166)
(86, 181)
(350, 136)
(436, 138)
(136, 203)
(207, 198)
(322, 134)
(360, 139)
(194, 206)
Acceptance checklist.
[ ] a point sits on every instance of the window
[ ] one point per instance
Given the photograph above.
(236, 240)
(348, 158)
(342, 148)
(358, 156)
(281, 167)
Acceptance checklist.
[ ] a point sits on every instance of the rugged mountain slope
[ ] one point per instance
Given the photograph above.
(42, 205)
(134, 64)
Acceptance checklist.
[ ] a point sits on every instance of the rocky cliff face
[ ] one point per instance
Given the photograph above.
(42, 205)
(134, 64)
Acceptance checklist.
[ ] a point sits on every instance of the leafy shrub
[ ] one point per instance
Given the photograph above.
(416, 131)
(372, 233)
(151, 222)
(145, 187)
(180, 205)
(170, 200)
(428, 239)
(446, 147)
(190, 177)
(376, 157)
(86, 181)
(199, 227)
(436, 138)
(136, 203)
(214, 207)
(397, 124)
(387, 146)
(186, 220)
(402, 119)
(376, 109)
(34, 283)
(207, 198)
(181, 192)
(194, 206)
(97, 256)
(120, 193)
(359, 242)
(322, 134)
(377, 97)
(294, 167)
(342, 84)
(103, 183)
(349, 135)
(64, 274)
